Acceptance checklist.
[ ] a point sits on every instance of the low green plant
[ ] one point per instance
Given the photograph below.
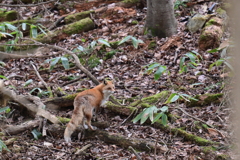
(194, 58)
(220, 62)
(160, 69)
(4, 110)
(7, 29)
(36, 134)
(40, 93)
(179, 3)
(154, 114)
(3, 146)
(135, 41)
(176, 96)
(64, 60)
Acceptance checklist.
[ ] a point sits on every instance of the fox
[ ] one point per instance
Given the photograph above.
(85, 103)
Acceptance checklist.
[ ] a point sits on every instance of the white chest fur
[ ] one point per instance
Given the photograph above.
(106, 95)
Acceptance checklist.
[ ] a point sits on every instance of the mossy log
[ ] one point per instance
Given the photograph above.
(210, 37)
(8, 16)
(204, 100)
(60, 34)
(109, 138)
(77, 16)
(73, 28)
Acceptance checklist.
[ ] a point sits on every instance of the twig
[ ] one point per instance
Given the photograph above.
(44, 83)
(80, 151)
(136, 154)
(27, 5)
(198, 119)
(42, 146)
(128, 117)
(44, 129)
(78, 63)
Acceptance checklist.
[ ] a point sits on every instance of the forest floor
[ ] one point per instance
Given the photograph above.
(126, 67)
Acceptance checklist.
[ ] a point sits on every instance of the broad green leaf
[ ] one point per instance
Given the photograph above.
(103, 41)
(4, 109)
(124, 39)
(187, 97)
(135, 42)
(138, 117)
(54, 61)
(2, 28)
(11, 27)
(219, 62)
(213, 50)
(3, 77)
(3, 146)
(191, 56)
(42, 30)
(159, 115)
(182, 60)
(229, 65)
(34, 31)
(28, 82)
(171, 98)
(196, 53)
(93, 44)
(65, 62)
(80, 48)
(24, 26)
(159, 72)
(164, 119)
(35, 89)
(36, 134)
(164, 109)
(152, 66)
(4, 33)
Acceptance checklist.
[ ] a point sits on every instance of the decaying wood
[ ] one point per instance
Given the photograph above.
(34, 53)
(16, 129)
(32, 103)
(110, 138)
(211, 35)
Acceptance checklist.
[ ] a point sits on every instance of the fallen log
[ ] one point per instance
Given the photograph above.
(31, 103)
(60, 34)
(16, 129)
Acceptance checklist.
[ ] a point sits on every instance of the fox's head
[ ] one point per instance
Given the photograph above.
(108, 87)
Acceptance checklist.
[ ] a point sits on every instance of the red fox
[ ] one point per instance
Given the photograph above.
(84, 105)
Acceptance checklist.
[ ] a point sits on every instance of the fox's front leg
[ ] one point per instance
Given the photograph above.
(88, 118)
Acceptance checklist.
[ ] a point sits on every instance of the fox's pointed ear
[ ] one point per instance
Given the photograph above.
(105, 82)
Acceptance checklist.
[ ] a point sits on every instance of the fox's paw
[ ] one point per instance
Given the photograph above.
(93, 128)
(68, 139)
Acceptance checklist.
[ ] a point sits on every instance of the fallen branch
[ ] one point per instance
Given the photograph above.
(32, 103)
(16, 129)
(80, 151)
(44, 83)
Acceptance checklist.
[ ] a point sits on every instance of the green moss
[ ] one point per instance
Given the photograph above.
(152, 45)
(222, 157)
(134, 22)
(191, 137)
(63, 120)
(8, 16)
(78, 16)
(131, 1)
(205, 99)
(114, 45)
(79, 26)
(208, 149)
(221, 11)
(210, 22)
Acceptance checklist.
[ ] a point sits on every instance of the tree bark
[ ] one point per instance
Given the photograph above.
(160, 21)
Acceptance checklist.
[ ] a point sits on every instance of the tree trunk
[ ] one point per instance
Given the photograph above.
(160, 18)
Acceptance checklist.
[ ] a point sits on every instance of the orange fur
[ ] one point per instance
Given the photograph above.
(84, 104)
